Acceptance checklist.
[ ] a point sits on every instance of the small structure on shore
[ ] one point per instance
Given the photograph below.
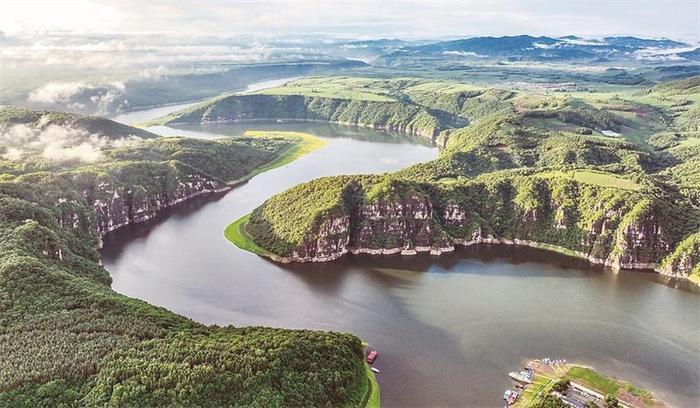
(574, 386)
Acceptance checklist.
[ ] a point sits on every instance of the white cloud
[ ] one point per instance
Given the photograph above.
(80, 95)
(544, 46)
(12, 154)
(369, 18)
(661, 54)
(463, 54)
(59, 143)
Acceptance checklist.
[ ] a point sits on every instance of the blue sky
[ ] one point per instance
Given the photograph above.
(362, 18)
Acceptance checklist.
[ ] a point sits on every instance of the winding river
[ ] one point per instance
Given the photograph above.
(448, 328)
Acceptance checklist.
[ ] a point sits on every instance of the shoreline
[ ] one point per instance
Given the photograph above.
(307, 144)
(372, 397)
(575, 383)
(415, 132)
(244, 241)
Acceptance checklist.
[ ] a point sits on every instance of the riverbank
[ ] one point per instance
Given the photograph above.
(575, 385)
(372, 396)
(236, 234)
(306, 143)
(431, 138)
(302, 144)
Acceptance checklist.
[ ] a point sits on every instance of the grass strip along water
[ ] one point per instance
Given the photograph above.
(304, 143)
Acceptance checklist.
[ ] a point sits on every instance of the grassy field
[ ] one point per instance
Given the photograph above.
(540, 387)
(606, 385)
(236, 234)
(368, 89)
(690, 142)
(592, 379)
(334, 87)
(373, 394)
(443, 87)
(594, 177)
(306, 143)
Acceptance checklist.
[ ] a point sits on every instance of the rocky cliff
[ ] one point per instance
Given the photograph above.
(602, 225)
(118, 205)
(684, 261)
(106, 202)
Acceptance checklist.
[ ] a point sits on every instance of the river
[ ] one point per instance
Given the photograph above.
(448, 328)
(142, 115)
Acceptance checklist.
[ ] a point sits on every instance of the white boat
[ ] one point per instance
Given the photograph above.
(519, 377)
(376, 370)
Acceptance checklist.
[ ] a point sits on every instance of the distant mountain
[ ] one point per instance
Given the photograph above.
(691, 55)
(368, 50)
(529, 48)
(637, 43)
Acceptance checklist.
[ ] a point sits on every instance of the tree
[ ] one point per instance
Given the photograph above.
(561, 386)
(611, 401)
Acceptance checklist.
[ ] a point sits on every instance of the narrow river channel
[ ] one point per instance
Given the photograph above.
(449, 328)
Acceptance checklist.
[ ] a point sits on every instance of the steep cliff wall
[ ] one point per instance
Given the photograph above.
(617, 228)
(684, 261)
(119, 205)
(105, 198)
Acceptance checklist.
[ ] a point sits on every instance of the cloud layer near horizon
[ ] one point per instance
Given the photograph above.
(360, 18)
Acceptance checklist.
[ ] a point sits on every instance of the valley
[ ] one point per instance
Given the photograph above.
(238, 220)
(68, 336)
(455, 302)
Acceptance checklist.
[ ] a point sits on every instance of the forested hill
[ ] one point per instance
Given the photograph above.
(409, 105)
(67, 339)
(612, 178)
(42, 120)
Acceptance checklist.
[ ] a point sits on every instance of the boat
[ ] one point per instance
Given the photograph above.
(506, 395)
(513, 396)
(376, 370)
(372, 356)
(521, 376)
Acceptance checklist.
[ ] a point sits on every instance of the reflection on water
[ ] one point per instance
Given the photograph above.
(448, 328)
(328, 130)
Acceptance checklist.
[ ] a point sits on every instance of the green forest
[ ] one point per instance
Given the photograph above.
(69, 340)
(585, 173)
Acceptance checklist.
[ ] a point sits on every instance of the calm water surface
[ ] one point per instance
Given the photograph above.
(141, 115)
(448, 328)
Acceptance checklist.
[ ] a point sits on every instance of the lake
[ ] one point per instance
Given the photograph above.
(448, 328)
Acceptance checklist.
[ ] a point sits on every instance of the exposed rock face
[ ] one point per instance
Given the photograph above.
(332, 242)
(621, 236)
(685, 259)
(641, 244)
(118, 206)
